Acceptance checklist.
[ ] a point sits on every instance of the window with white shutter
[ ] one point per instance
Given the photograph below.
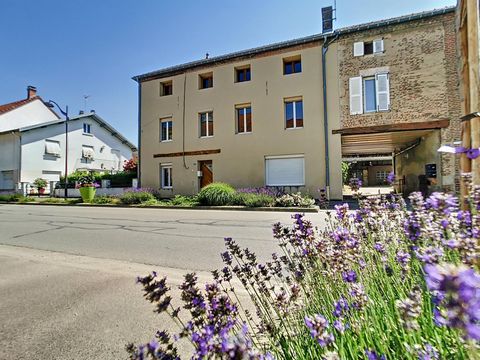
(383, 92)
(356, 98)
(378, 46)
(358, 49)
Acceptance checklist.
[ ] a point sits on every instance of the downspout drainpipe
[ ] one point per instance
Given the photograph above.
(139, 175)
(325, 111)
(19, 175)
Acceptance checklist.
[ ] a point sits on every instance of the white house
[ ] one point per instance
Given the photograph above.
(33, 139)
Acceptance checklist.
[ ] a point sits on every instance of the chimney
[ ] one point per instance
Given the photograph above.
(80, 112)
(31, 91)
(92, 111)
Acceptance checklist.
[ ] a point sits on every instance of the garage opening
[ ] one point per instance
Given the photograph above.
(408, 149)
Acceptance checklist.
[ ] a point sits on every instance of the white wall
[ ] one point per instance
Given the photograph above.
(9, 157)
(29, 114)
(35, 163)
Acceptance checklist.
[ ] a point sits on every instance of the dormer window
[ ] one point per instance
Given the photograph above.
(87, 129)
(362, 48)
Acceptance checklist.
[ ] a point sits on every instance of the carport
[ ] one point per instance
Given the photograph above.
(411, 148)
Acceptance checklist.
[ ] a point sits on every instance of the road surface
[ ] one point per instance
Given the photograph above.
(67, 288)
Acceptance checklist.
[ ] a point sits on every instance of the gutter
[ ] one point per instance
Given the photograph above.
(326, 43)
(139, 173)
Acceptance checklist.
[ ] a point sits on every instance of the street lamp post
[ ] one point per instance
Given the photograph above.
(51, 104)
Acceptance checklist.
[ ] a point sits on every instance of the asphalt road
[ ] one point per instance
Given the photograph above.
(67, 288)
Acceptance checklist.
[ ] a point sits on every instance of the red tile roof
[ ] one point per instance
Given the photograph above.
(16, 104)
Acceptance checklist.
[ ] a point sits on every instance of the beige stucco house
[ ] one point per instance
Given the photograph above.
(261, 117)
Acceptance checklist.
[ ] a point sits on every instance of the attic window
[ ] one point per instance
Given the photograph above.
(166, 88)
(87, 128)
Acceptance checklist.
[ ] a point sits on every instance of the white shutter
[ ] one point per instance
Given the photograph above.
(383, 92)
(288, 171)
(358, 48)
(356, 98)
(378, 46)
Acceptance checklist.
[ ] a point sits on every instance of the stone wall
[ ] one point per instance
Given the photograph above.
(420, 57)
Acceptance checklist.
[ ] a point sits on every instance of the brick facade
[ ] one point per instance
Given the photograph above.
(420, 57)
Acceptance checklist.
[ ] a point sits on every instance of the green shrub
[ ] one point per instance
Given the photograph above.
(52, 200)
(216, 194)
(10, 197)
(136, 197)
(258, 200)
(180, 200)
(151, 202)
(253, 200)
(104, 199)
(25, 199)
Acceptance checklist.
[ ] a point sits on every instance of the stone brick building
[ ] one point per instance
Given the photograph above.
(416, 54)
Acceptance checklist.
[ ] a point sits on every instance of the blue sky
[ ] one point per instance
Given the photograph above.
(72, 48)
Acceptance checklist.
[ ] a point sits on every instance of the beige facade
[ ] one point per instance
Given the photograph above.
(242, 157)
(418, 54)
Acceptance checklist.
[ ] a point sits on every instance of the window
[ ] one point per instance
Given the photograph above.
(292, 65)
(244, 119)
(368, 47)
(166, 129)
(6, 180)
(88, 153)
(206, 124)
(87, 129)
(369, 94)
(52, 148)
(381, 175)
(293, 114)
(285, 170)
(242, 74)
(166, 176)
(166, 88)
(205, 81)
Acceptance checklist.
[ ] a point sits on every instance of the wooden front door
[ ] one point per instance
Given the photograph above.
(207, 173)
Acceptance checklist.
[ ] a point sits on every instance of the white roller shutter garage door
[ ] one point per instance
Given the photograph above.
(285, 171)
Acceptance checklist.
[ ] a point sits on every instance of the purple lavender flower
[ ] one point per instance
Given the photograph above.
(372, 355)
(460, 291)
(341, 307)
(350, 276)
(318, 326)
(391, 178)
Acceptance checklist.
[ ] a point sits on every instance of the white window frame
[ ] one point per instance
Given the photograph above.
(294, 102)
(168, 168)
(166, 120)
(207, 135)
(268, 181)
(87, 129)
(244, 108)
(364, 94)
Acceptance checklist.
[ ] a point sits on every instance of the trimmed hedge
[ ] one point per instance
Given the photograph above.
(136, 197)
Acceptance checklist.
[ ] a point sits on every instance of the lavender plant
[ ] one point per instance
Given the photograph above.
(381, 282)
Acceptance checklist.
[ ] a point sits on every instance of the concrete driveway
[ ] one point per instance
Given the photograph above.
(67, 288)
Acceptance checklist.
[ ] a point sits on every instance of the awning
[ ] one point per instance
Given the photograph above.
(385, 139)
(88, 152)
(52, 148)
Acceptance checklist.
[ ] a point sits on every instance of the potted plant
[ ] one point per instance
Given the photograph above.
(40, 184)
(87, 187)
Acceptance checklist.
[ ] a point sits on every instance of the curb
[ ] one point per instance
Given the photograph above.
(228, 208)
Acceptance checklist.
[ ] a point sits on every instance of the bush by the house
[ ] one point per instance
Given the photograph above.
(216, 194)
(380, 282)
(181, 200)
(105, 199)
(295, 200)
(138, 196)
(10, 197)
(254, 200)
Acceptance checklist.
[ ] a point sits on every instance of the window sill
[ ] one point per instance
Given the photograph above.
(166, 141)
(206, 137)
(87, 134)
(242, 82)
(244, 133)
(294, 128)
(166, 95)
(167, 188)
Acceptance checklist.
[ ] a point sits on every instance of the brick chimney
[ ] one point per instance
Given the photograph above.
(31, 91)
